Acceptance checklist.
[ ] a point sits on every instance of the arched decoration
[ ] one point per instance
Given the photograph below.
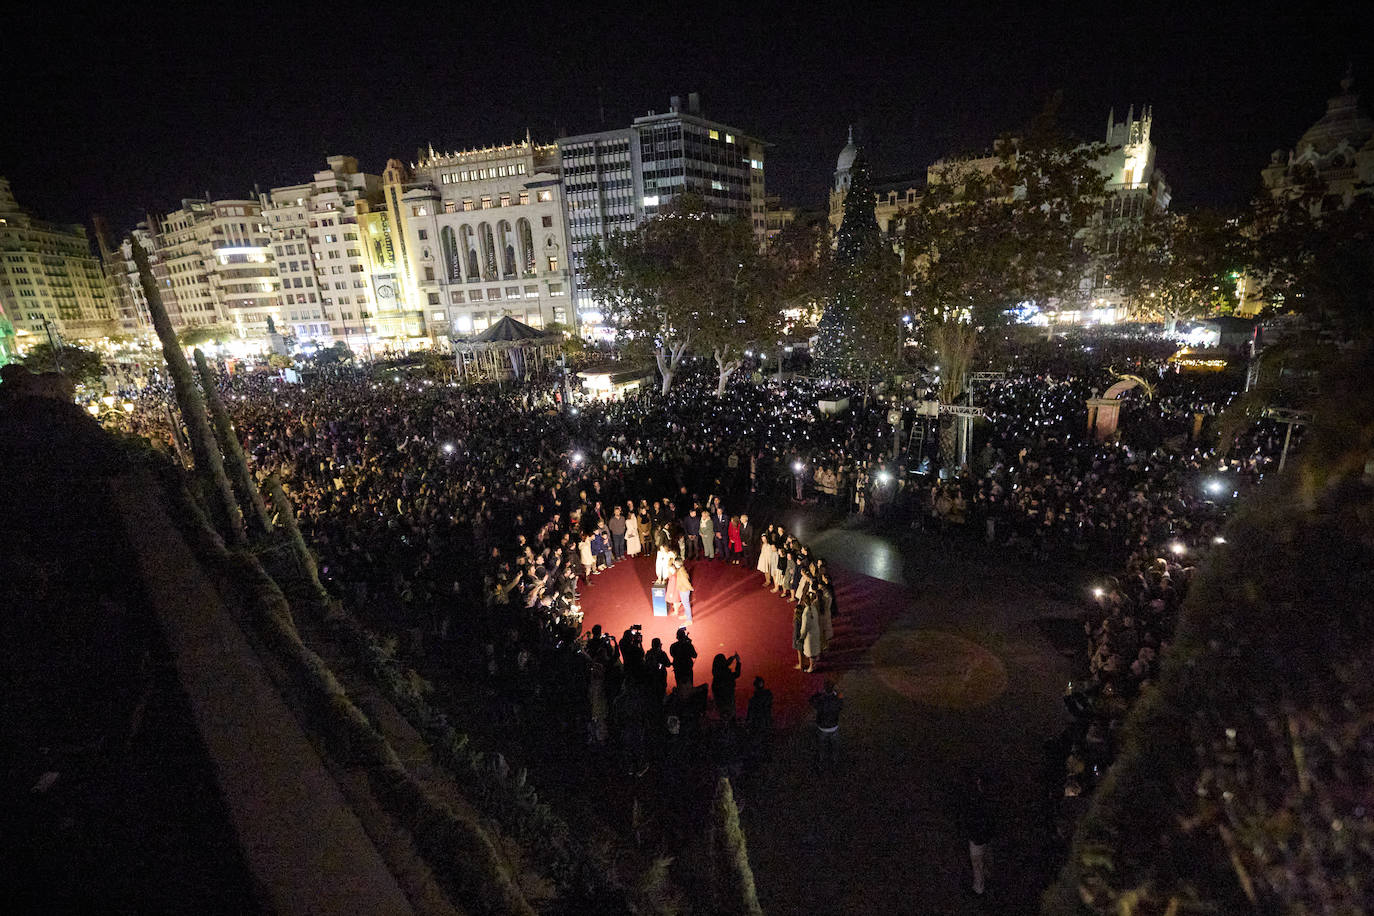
(525, 239)
(488, 243)
(470, 251)
(506, 236)
(449, 242)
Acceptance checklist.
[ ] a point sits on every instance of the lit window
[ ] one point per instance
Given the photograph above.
(555, 289)
(544, 196)
(436, 316)
(553, 263)
(651, 200)
(729, 138)
(493, 292)
(714, 134)
(486, 203)
(524, 197)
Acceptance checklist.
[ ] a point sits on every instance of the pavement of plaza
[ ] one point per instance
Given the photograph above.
(966, 680)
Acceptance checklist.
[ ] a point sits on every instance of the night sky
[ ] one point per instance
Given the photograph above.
(120, 108)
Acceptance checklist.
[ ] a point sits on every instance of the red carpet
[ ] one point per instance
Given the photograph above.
(733, 612)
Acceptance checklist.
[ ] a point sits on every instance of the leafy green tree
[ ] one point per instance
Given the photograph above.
(631, 274)
(1175, 267)
(861, 325)
(742, 290)
(280, 361)
(1317, 259)
(82, 366)
(190, 338)
(991, 233)
(330, 356)
(685, 277)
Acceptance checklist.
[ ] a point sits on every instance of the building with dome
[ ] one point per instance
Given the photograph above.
(890, 194)
(1335, 155)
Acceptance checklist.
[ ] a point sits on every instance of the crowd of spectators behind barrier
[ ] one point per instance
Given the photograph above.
(456, 517)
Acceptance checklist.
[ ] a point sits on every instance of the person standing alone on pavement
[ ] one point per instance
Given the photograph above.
(978, 828)
(827, 704)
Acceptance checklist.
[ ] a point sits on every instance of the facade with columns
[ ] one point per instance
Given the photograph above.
(483, 236)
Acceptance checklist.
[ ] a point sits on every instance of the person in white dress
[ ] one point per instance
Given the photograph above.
(663, 563)
(768, 556)
(632, 545)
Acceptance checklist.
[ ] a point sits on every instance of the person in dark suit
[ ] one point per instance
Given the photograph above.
(691, 530)
(749, 537)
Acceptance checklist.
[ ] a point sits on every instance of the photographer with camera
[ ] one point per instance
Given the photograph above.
(723, 679)
(632, 653)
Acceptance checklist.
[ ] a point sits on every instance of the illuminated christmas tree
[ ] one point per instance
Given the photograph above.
(858, 327)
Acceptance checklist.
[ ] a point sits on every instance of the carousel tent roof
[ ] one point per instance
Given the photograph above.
(508, 329)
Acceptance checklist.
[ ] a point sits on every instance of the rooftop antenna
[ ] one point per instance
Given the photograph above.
(600, 106)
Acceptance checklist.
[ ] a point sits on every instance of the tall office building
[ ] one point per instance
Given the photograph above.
(323, 233)
(483, 236)
(51, 283)
(212, 262)
(613, 180)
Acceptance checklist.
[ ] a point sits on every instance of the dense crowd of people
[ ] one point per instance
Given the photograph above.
(473, 516)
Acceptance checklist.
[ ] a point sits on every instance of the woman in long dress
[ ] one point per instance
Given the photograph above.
(768, 555)
(632, 546)
(812, 638)
(801, 591)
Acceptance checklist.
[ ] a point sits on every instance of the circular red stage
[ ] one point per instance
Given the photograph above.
(733, 612)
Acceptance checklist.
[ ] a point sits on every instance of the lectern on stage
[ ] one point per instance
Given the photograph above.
(660, 591)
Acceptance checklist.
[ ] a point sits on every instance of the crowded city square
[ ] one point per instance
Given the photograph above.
(639, 465)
